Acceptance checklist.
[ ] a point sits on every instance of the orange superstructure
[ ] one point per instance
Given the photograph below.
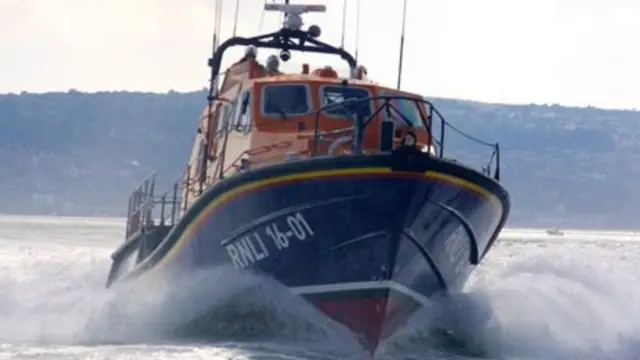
(271, 117)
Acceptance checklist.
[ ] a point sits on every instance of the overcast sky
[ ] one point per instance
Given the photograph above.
(573, 52)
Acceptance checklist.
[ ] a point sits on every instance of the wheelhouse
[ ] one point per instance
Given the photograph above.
(296, 106)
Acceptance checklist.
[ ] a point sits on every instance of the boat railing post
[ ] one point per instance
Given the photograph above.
(497, 172)
(174, 203)
(430, 123)
(359, 131)
(203, 169)
(149, 199)
(443, 124)
(128, 226)
(187, 188)
(316, 134)
(164, 201)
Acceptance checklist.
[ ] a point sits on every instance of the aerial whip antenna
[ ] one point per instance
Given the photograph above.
(261, 18)
(404, 22)
(213, 81)
(235, 22)
(219, 22)
(216, 38)
(344, 21)
(213, 85)
(217, 18)
(215, 27)
(357, 29)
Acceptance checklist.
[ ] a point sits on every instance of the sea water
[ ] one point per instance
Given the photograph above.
(536, 296)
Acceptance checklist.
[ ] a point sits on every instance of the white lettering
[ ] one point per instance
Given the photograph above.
(258, 255)
(233, 254)
(250, 248)
(299, 226)
(262, 247)
(302, 221)
(245, 250)
(281, 240)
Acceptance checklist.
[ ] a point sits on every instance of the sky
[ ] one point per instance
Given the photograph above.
(570, 52)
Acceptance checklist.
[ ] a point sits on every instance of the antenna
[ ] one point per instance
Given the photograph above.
(357, 29)
(404, 22)
(235, 22)
(292, 12)
(344, 21)
(213, 86)
(262, 18)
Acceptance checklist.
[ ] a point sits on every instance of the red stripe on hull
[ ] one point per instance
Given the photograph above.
(372, 319)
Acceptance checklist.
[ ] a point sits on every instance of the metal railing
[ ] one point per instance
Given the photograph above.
(433, 118)
(147, 210)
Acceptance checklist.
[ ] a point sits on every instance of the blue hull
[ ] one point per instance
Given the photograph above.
(366, 239)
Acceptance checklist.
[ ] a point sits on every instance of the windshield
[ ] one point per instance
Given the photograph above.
(337, 94)
(285, 100)
(403, 110)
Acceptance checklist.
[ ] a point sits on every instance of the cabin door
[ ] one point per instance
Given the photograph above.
(215, 139)
(239, 141)
(221, 124)
(213, 131)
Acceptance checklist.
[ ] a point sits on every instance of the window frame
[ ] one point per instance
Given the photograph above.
(226, 111)
(263, 99)
(321, 100)
(417, 99)
(239, 118)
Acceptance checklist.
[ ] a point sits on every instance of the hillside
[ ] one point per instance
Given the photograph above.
(80, 154)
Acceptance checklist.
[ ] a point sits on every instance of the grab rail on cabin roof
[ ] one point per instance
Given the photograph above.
(427, 121)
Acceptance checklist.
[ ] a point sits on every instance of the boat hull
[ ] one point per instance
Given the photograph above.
(367, 240)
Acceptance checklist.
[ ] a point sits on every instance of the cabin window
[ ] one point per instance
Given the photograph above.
(226, 117)
(243, 123)
(231, 114)
(403, 110)
(338, 94)
(284, 100)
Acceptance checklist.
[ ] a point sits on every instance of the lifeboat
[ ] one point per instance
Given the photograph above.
(340, 189)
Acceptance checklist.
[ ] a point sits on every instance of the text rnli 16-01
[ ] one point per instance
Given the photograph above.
(268, 238)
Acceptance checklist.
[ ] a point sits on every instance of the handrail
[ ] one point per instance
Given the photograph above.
(360, 125)
(143, 203)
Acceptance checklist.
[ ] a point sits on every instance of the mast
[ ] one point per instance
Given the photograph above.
(235, 22)
(401, 57)
(213, 85)
(344, 22)
(357, 29)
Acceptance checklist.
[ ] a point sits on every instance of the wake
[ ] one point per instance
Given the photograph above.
(542, 306)
(544, 302)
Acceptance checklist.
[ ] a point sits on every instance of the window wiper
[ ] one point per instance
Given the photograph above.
(279, 110)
